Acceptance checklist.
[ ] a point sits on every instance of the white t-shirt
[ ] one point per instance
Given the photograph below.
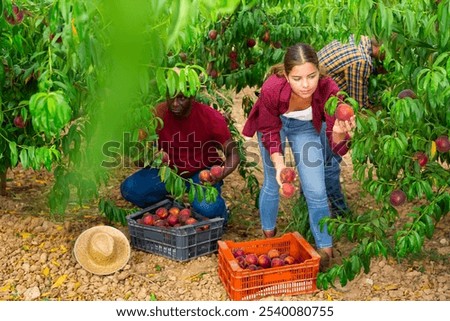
(305, 114)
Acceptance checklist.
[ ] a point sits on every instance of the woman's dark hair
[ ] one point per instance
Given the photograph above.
(297, 55)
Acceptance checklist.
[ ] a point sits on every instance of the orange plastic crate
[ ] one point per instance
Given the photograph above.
(242, 284)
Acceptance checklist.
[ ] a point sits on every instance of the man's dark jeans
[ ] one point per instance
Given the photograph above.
(338, 203)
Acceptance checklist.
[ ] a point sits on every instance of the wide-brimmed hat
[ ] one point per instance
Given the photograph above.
(102, 250)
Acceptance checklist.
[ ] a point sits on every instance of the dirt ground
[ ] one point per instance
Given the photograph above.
(36, 261)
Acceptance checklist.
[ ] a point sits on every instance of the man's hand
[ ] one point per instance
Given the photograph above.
(217, 174)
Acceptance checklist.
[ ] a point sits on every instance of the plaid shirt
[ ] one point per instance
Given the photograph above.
(350, 65)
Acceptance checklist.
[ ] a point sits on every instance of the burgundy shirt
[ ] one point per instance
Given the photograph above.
(192, 142)
(273, 101)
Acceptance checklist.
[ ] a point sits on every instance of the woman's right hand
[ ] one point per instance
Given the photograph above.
(278, 163)
(279, 175)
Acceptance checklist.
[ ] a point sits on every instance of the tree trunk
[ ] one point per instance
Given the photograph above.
(3, 183)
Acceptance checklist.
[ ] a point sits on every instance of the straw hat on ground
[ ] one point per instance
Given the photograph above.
(102, 250)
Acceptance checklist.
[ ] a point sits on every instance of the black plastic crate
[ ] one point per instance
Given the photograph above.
(178, 243)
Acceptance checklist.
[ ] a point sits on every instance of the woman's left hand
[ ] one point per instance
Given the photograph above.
(342, 127)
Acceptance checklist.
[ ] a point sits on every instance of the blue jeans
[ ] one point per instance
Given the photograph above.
(332, 177)
(306, 148)
(145, 188)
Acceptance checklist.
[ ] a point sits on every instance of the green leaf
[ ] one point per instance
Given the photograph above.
(356, 264)
(179, 187)
(278, 55)
(200, 194)
(427, 189)
(194, 82)
(441, 58)
(172, 82)
(191, 194)
(13, 153)
(331, 105)
(429, 225)
(164, 173)
(343, 276)
(417, 240)
(161, 82)
(182, 82)
(23, 156)
(179, 18)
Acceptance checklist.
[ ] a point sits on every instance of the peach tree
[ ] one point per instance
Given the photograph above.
(78, 76)
(398, 148)
(35, 86)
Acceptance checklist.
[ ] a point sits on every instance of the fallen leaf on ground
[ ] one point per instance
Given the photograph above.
(60, 281)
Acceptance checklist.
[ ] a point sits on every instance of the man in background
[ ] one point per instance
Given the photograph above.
(350, 65)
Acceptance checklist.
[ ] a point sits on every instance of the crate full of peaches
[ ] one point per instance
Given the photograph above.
(253, 269)
(174, 230)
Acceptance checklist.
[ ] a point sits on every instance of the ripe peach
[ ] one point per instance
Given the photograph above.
(237, 252)
(233, 55)
(183, 217)
(273, 253)
(407, 93)
(216, 172)
(421, 158)
(284, 255)
(442, 144)
(252, 267)
(276, 261)
(172, 219)
(344, 112)
(16, 17)
(212, 34)
(148, 219)
(162, 212)
(287, 175)
(251, 258)
(289, 259)
(191, 221)
(174, 210)
(264, 261)
(251, 42)
(213, 73)
(242, 261)
(163, 156)
(185, 211)
(398, 197)
(287, 190)
(19, 122)
(160, 223)
(205, 176)
(234, 65)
